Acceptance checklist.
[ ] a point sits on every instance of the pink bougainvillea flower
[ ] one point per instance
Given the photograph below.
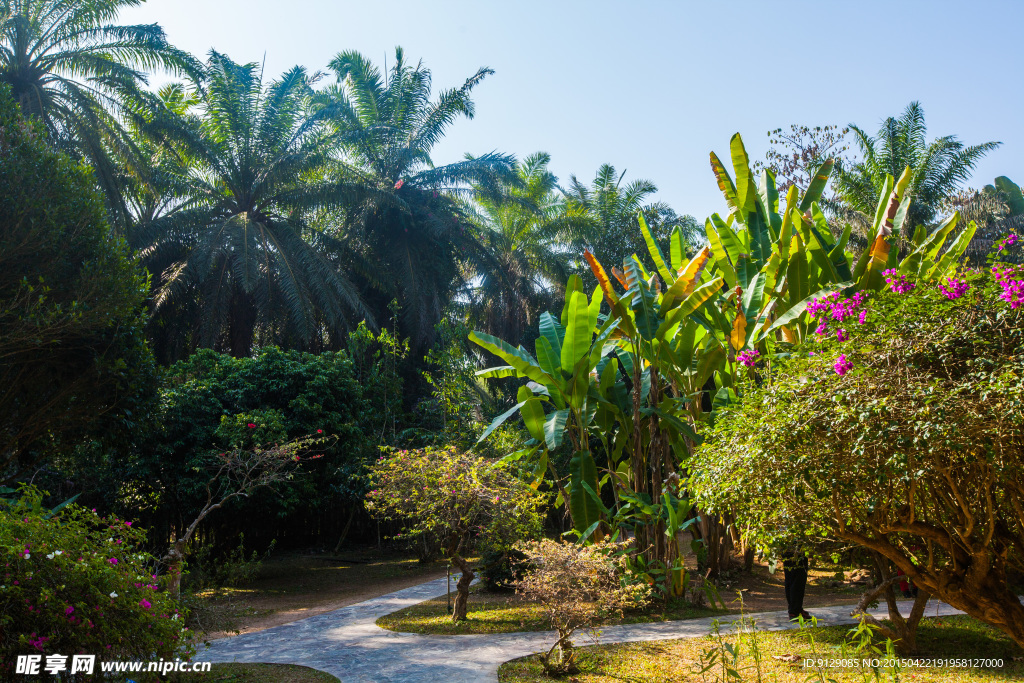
(842, 365)
(145, 604)
(900, 284)
(251, 426)
(319, 431)
(748, 358)
(112, 560)
(841, 335)
(399, 184)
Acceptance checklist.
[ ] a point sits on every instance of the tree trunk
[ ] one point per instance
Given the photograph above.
(462, 596)
(174, 559)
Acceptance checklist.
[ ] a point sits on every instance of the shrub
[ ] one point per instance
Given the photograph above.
(907, 440)
(502, 568)
(74, 582)
(458, 498)
(74, 365)
(206, 405)
(579, 585)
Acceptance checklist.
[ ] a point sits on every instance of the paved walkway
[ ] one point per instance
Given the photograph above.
(348, 644)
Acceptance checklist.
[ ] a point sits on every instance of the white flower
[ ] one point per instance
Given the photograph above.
(28, 555)
(113, 595)
(58, 552)
(50, 556)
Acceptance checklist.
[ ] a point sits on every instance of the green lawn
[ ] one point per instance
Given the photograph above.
(267, 673)
(507, 613)
(681, 660)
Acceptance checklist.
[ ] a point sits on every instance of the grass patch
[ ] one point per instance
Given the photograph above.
(680, 660)
(508, 613)
(261, 673)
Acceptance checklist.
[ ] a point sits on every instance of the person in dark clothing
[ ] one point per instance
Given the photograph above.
(794, 568)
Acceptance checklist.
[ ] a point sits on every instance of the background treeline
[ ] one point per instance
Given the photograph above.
(235, 249)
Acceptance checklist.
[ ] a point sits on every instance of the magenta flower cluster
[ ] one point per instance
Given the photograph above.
(833, 309)
(1007, 241)
(900, 284)
(954, 289)
(748, 358)
(1013, 289)
(842, 365)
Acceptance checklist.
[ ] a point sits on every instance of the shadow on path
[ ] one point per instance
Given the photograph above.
(348, 644)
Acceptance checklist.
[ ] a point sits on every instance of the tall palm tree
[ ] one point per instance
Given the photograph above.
(939, 167)
(238, 262)
(73, 69)
(613, 233)
(413, 220)
(525, 234)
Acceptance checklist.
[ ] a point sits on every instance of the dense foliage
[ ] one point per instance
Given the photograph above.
(900, 430)
(206, 406)
(73, 357)
(76, 582)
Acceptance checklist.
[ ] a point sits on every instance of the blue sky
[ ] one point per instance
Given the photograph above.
(652, 87)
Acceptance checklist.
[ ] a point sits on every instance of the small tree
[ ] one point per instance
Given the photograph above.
(906, 439)
(579, 585)
(238, 473)
(456, 497)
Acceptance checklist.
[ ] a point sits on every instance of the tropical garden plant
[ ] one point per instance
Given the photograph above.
(239, 262)
(578, 585)
(938, 168)
(78, 582)
(461, 500)
(73, 70)
(409, 220)
(902, 435)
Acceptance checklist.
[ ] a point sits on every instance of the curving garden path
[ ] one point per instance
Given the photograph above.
(348, 644)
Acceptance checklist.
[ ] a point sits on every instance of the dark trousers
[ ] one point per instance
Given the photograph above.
(794, 569)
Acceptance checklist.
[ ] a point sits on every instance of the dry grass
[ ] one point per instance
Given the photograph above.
(676, 661)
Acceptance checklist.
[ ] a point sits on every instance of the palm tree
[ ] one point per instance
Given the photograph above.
(238, 262)
(939, 167)
(72, 69)
(413, 220)
(525, 234)
(614, 234)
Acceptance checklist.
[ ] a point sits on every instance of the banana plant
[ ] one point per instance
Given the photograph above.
(557, 400)
(927, 261)
(787, 255)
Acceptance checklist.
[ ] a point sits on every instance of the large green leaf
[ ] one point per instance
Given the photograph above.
(554, 427)
(655, 251)
(523, 362)
(583, 469)
(498, 421)
(725, 183)
(817, 186)
(578, 332)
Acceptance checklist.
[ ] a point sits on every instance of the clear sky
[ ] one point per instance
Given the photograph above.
(652, 87)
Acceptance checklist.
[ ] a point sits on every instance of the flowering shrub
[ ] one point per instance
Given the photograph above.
(579, 585)
(76, 583)
(464, 500)
(748, 358)
(900, 284)
(916, 456)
